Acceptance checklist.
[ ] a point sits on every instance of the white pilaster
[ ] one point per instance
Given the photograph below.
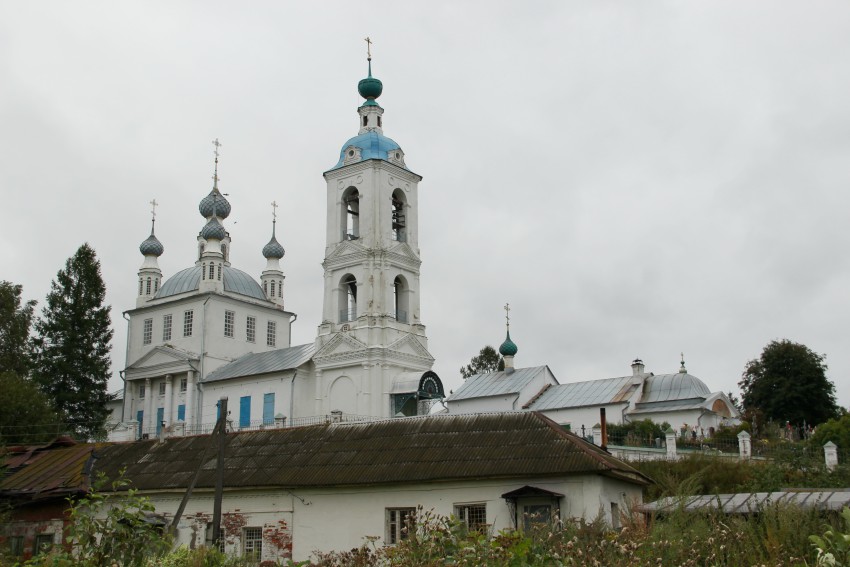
(168, 417)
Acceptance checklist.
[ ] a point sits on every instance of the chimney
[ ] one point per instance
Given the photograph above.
(637, 367)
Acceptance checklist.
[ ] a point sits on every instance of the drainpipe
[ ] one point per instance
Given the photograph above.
(198, 402)
(292, 393)
(291, 321)
(121, 372)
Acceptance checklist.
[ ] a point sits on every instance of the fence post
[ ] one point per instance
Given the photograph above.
(745, 446)
(830, 453)
(670, 438)
(597, 435)
(134, 430)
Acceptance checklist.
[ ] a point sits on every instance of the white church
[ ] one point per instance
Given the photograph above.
(212, 330)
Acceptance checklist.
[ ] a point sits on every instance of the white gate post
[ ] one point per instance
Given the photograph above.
(670, 437)
(830, 453)
(597, 435)
(745, 446)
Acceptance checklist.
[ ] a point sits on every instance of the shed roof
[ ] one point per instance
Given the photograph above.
(417, 449)
(264, 362)
(496, 383)
(55, 470)
(750, 503)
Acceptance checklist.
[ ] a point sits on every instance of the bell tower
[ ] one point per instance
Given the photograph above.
(371, 330)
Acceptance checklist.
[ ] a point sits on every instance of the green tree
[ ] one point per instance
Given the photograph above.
(15, 324)
(72, 345)
(835, 430)
(488, 360)
(26, 416)
(788, 383)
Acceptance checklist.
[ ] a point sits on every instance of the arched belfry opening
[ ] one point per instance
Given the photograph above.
(401, 300)
(347, 299)
(399, 218)
(350, 214)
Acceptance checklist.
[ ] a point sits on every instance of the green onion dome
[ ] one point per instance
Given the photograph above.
(370, 87)
(508, 348)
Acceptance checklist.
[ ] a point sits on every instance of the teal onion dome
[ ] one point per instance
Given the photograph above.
(213, 230)
(214, 203)
(508, 348)
(273, 249)
(370, 88)
(151, 246)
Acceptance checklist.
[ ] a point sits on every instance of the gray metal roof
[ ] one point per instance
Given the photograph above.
(665, 387)
(405, 450)
(590, 393)
(496, 383)
(235, 281)
(672, 405)
(746, 503)
(264, 362)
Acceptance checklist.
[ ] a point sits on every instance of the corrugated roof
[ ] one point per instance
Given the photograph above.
(672, 405)
(418, 449)
(264, 362)
(747, 503)
(590, 393)
(496, 383)
(52, 470)
(235, 281)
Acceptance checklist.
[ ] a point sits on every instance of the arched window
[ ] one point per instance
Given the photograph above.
(266, 288)
(224, 251)
(141, 285)
(219, 272)
(348, 299)
(399, 219)
(156, 285)
(365, 121)
(280, 288)
(272, 294)
(148, 287)
(401, 304)
(350, 216)
(211, 275)
(200, 250)
(204, 271)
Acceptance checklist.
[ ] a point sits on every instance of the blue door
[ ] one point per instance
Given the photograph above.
(160, 415)
(140, 417)
(268, 409)
(245, 411)
(181, 412)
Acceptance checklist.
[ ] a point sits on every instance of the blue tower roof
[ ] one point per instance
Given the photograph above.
(372, 146)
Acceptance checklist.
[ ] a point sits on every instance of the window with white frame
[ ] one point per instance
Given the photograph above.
(162, 388)
(147, 332)
(251, 329)
(188, 320)
(399, 523)
(166, 327)
(229, 319)
(252, 542)
(184, 384)
(473, 516)
(271, 334)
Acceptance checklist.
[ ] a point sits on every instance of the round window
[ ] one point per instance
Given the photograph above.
(350, 153)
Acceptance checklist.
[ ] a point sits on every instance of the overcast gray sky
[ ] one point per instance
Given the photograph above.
(635, 178)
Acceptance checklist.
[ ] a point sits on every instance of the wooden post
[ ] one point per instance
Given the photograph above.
(221, 425)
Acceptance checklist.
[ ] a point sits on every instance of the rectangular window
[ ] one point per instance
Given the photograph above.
(252, 541)
(245, 411)
(399, 523)
(181, 412)
(184, 384)
(251, 329)
(474, 516)
(43, 543)
(147, 333)
(142, 391)
(271, 337)
(188, 319)
(229, 318)
(16, 545)
(268, 408)
(166, 327)
(162, 388)
(615, 515)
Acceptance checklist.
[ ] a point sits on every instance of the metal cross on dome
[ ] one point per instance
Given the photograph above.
(153, 209)
(217, 145)
(507, 309)
(274, 210)
(368, 48)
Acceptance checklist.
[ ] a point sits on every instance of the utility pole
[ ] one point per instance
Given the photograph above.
(221, 426)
